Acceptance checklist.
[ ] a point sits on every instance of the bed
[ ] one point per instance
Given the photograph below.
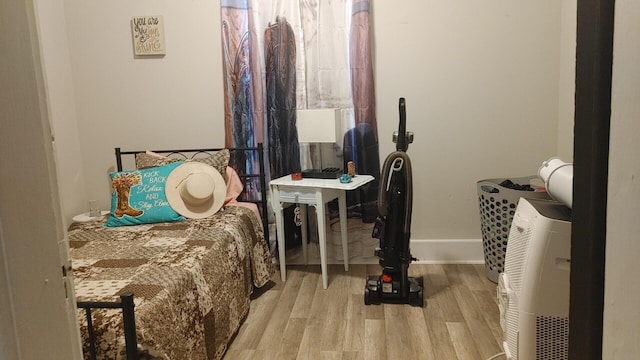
(173, 289)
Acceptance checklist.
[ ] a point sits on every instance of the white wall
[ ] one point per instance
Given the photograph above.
(481, 80)
(621, 338)
(567, 82)
(8, 344)
(174, 101)
(62, 106)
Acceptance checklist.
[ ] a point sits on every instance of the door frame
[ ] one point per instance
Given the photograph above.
(594, 60)
(38, 314)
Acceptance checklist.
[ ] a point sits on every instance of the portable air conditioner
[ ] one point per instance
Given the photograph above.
(533, 290)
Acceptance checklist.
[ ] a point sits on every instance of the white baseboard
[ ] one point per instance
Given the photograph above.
(431, 251)
(448, 251)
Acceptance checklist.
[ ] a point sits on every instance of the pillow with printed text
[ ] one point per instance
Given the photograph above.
(138, 197)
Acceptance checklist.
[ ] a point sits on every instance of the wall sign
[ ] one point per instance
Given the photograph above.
(148, 35)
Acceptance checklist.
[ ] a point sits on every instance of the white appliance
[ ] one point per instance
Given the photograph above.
(558, 179)
(533, 290)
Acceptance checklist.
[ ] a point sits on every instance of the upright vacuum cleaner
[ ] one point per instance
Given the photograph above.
(393, 228)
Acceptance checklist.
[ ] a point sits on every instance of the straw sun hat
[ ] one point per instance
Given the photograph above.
(195, 190)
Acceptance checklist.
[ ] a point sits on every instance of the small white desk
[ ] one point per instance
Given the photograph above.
(314, 192)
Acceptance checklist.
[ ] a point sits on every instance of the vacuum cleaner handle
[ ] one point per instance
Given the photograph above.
(401, 143)
(396, 164)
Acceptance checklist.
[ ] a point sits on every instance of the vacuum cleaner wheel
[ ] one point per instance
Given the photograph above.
(374, 293)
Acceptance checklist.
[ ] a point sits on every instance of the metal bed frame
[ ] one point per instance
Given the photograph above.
(128, 321)
(126, 300)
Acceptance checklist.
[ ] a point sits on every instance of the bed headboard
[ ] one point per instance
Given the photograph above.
(253, 180)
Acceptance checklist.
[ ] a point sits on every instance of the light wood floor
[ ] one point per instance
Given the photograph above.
(300, 320)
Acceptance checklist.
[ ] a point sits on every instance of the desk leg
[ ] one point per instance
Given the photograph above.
(322, 238)
(342, 206)
(303, 229)
(281, 239)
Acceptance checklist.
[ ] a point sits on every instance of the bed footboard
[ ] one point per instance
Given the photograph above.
(128, 320)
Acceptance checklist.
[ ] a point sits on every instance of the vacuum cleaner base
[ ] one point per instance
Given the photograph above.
(376, 291)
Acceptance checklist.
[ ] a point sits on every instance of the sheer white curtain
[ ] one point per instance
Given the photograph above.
(323, 79)
(322, 57)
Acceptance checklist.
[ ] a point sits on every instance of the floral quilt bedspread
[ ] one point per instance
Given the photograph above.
(191, 281)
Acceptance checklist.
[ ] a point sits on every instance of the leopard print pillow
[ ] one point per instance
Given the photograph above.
(150, 159)
(219, 160)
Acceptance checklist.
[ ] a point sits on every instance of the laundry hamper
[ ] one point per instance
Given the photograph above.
(497, 207)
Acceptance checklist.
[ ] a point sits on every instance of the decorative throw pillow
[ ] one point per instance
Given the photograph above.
(151, 159)
(219, 160)
(234, 186)
(138, 197)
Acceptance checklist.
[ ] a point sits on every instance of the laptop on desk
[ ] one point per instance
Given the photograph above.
(326, 173)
